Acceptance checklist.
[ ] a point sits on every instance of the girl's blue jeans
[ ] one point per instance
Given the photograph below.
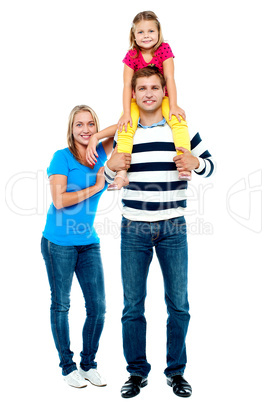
(61, 264)
(169, 239)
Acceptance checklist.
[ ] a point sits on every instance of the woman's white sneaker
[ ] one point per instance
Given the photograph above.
(74, 379)
(94, 377)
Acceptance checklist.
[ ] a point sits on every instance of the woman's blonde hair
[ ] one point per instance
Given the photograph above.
(70, 138)
(145, 16)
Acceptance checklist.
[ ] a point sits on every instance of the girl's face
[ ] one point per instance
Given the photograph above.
(146, 34)
(83, 127)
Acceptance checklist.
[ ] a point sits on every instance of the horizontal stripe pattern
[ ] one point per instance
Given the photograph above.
(152, 166)
(153, 156)
(157, 146)
(155, 196)
(154, 176)
(157, 186)
(153, 206)
(154, 188)
(155, 191)
(198, 149)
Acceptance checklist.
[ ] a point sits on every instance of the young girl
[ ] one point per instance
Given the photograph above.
(147, 47)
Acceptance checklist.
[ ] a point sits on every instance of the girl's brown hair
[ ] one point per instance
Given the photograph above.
(70, 138)
(147, 16)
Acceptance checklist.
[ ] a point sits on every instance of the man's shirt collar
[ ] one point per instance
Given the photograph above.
(160, 123)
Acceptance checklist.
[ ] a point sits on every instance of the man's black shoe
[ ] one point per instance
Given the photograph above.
(180, 386)
(132, 387)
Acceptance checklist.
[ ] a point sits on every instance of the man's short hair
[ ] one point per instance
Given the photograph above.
(148, 71)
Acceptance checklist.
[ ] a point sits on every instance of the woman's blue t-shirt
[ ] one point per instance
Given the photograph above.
(73, 226)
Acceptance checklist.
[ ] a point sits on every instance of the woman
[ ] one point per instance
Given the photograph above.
(70, 244)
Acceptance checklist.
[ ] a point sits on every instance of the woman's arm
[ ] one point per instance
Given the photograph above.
(168, 68)
(91, 152)
(106, 133)
(108, 145)
(61, 198)
(128, 73)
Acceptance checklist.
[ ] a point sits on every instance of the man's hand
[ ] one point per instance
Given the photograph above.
(186, 161)
(119, 161)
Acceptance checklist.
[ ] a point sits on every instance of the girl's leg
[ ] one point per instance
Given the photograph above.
(89, 272)
(179, 131)
(60, 264)
(125, 145)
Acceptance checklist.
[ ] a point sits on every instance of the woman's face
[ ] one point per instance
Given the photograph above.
(146, 34)
(83, 127)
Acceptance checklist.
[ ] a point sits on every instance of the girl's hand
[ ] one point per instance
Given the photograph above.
(124, 120)
(178, 112)
(91, 154)
(100, 179)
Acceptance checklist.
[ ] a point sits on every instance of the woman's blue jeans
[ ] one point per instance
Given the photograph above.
(137, 242)
(61, 263)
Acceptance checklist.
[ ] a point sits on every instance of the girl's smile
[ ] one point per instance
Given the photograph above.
(146, 34)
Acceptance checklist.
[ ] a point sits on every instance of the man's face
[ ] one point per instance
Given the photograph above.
(149, 93)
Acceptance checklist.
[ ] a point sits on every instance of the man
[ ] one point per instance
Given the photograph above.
(153, 218)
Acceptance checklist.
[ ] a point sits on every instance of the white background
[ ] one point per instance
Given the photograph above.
(58, 54)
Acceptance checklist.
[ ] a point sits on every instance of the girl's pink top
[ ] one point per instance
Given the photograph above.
(163, 53)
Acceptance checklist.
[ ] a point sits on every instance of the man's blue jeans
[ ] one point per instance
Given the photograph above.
(61, 263)
(137, 242)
